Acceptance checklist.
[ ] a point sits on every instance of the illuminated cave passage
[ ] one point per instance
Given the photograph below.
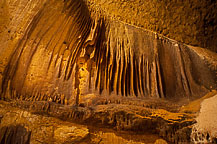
(71, 53)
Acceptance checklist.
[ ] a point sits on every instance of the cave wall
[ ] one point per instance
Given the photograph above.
(193, 22)
(52, 37)
(100, 71)
(67, 53)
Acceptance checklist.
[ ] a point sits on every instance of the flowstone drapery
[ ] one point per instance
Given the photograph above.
(69, 60)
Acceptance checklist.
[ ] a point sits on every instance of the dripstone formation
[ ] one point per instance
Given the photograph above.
(68, 59)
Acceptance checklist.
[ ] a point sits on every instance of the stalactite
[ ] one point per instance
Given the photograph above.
(119, 59)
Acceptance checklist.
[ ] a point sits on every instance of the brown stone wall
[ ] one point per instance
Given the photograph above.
(59, 51)
(193, 22)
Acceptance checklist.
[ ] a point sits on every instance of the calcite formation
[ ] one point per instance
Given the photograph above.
(193, 22)
(205, 129)
(25, 127)
(72, 54)
(68, 53)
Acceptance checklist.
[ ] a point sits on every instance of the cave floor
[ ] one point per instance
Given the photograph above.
(45, 129)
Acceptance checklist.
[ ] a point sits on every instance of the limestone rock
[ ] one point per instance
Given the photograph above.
(68, 52)
(160, 141)
(70, 60)
(67, 134)
(205, 130)
(14, 134)
(23, 127)
(192, 22)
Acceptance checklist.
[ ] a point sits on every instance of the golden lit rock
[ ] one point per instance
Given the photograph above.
(92, 62)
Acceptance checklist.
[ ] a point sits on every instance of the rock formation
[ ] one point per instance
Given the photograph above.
(72, 54)
(193, 22)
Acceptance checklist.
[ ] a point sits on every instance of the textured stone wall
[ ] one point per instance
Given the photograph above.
(78, 63)
(68, 53)
(190, 21)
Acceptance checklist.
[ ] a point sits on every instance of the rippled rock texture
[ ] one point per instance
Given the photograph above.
(66, 55)
(68, 59)
(193, 22)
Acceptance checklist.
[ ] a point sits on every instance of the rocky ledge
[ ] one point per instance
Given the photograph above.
(106, 123)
